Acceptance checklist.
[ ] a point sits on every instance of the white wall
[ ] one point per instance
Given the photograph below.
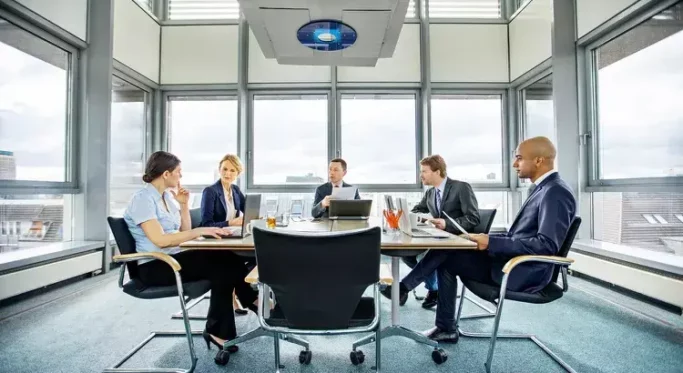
(530, 37)
(469, 53)
(71, 15)
(264, 70)
(404, 66)
(199, 54)
(591, 13)
(136, 39)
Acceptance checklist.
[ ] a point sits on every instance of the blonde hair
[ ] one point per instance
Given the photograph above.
(234, 160)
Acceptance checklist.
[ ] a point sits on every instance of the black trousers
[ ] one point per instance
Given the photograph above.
(224, 269)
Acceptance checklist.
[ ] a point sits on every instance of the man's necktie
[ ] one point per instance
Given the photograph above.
(438, 201)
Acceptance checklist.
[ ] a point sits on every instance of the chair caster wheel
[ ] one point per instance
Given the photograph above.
(439, 356)
(222, 357)
(357, 357)
(305, 357)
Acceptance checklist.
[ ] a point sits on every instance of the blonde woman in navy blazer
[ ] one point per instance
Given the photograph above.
(223, 202)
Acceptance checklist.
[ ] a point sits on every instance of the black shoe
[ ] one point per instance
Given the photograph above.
(431, 299)
(441, 336)
(402, 296)
(209, 341)
(241, 311)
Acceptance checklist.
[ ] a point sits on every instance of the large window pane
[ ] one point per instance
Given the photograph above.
(290, 139)
(639, 90)
(494, 201)
(378, 138)
(128, 132)
(28, 222)
(467, 133)
(539, 111)
(33, 107)
(202, 131)
(640, 221)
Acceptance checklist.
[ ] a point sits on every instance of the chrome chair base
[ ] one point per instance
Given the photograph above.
(179, 315)
(260, 332)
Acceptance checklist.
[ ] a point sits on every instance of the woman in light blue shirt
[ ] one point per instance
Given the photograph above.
(158, 224)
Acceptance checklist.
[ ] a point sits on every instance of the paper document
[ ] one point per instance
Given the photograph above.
(344, 193)
(467, 235)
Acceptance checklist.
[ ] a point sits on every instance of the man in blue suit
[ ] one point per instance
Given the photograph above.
(539, 229)
(321, 202)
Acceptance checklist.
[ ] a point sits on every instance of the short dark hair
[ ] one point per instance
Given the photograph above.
(339, 160)
(158, 163)
(435, 163)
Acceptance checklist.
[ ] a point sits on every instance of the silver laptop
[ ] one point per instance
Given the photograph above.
(352, 209)
(404, 224)
(252, 210)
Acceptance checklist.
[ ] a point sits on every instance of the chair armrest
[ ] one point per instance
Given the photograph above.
(384, 275)
(153, 255)
(252, 277)
(514, 262)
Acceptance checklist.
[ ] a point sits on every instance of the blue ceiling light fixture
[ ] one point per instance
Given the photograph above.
(326, 35)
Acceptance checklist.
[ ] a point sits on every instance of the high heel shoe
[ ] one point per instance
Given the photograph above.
(209, 341)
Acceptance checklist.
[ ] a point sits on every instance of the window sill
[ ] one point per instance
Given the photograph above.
(27, 257)
(666, 262)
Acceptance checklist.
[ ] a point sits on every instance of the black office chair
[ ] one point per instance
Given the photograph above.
(496, 294)
(138, 289)
(319, 281)
(195, 221)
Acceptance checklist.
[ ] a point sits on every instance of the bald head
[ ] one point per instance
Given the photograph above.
(535, 157)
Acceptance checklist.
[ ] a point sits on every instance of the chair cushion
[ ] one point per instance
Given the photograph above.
(362, 316)
(490, 293)
(190, 289)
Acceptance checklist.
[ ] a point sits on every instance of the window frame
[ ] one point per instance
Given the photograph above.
(592, 137)
(73, 118)
(339, 151)
(504, 184)
(249, 153)
(196, 95)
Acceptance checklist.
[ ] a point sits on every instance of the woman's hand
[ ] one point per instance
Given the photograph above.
(212, 231)
(236, 222)
(182, 195)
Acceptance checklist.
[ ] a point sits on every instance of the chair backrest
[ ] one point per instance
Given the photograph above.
(125, 242)
(195, 217)
(567, 244)
(318, 280)
(486, 217)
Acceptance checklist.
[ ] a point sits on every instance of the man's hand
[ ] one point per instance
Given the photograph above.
(325, 202)
(482, 240)
(439, 223)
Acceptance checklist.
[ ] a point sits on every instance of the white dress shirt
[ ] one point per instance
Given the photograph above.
(230, 204)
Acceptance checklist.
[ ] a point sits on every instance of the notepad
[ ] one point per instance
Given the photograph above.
(464, 232)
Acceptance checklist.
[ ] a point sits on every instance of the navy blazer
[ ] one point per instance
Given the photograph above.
(214, 210)
(539, 229)
(324, 190)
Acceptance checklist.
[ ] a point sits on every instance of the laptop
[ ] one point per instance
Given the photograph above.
(252, 210)
(404, 224)
(352, 209)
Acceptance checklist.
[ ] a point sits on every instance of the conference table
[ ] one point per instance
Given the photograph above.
(394, 244)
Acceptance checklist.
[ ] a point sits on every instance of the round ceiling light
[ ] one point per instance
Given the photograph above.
(326, 35)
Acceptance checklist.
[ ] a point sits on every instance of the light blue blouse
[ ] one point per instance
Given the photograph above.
(145, 205)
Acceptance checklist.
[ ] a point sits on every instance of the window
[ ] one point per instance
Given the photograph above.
(648, 221)
(639, 84)
(411, 12)
(29, 221)
(539, 111)
(464, 8)
(34, 101)
(203, 9)
(201, 131)
(378, 138)
(289, 139)
(128, 133)
(147, 4)
(467, 133)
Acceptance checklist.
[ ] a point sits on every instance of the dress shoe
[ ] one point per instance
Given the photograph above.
(431, 299)
(441, 336)
(402, 294)
(210, 341)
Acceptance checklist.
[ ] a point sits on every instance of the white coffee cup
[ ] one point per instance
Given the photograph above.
(413, 217)
(257, 223)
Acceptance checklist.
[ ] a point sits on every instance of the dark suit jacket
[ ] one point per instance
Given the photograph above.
(458, 201)
(214, 210)
(324, 190)
(539, 229)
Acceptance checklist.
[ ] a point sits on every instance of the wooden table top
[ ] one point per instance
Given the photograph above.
(390, 241)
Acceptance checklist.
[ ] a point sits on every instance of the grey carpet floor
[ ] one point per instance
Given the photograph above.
(90, 325)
